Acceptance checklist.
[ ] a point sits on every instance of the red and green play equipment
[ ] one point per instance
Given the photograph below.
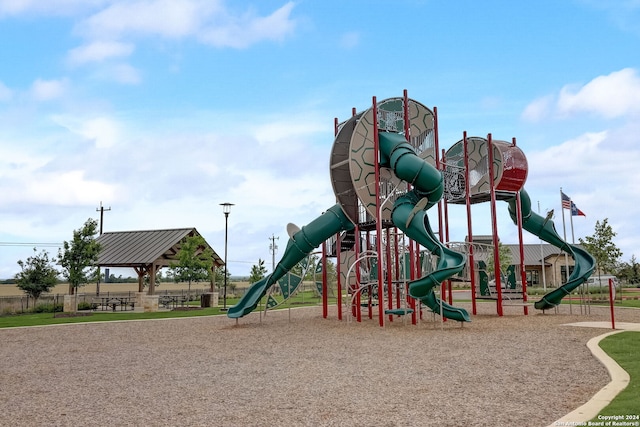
(387, 173)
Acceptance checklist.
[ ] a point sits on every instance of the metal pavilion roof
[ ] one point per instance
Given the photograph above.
(144, 248)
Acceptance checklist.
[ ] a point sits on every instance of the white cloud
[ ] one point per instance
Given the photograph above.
(207, 21)
(28, 178)
(45, 90)
(538, 109)
(610, 96)
(572, 157)
(124, 73)
(599, 172)
(167, 18)
(66, 189)
(99, 51)
(291, 127)
(103, 131)
(247, 29)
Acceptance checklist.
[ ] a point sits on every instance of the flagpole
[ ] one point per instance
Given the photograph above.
(573, 239)
(564, 230)
(542, 261)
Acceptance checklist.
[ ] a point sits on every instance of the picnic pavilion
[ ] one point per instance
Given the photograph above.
(146, 252)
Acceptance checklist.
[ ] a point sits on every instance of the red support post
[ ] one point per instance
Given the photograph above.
(376, 156)
(611, 304)
(446, 228)
(523, 273)
(367, 239)
(494, 226)
(325, 288)
(390, 278)
(467, 189)
(412, 264)
(338, 277)
(355, 309)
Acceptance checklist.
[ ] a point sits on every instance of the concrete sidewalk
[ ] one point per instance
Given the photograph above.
(619, 377)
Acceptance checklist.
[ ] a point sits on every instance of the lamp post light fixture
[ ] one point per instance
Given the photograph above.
(226, 208)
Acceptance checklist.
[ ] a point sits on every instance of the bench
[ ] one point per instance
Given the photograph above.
(112, 303)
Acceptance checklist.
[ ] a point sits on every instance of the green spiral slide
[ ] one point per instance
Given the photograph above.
(409, 215)
(584, 263)
(301, 244)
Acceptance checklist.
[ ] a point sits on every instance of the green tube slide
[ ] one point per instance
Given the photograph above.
(584, 263)
(409, 215)
(301, 244)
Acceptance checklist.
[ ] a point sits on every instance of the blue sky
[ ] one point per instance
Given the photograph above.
(163, 109)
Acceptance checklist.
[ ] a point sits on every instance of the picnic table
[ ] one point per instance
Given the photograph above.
(172, 301)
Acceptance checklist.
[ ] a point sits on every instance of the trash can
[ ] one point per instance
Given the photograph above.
(205, 299)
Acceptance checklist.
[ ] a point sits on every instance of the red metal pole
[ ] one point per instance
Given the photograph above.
(325, 288)
(446, 228)
(376, 156)
(338, 278)
(355, 309)
(436, 148)
(523, 273)
(367, 239)
(467, 190)
(390, 279)
(611, 304)
(494, 225)
(412, 264)
(325, 302)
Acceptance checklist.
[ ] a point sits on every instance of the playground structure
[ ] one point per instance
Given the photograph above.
(387, 172)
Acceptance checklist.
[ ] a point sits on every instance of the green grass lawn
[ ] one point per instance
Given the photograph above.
(40, 319)
(624, 348)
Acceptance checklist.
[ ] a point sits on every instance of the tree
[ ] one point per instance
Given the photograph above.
(147, 279)
(602, 248)
(505, 260)
(219, 275)
(37, 275)
(306, 267)
(79, 257)
(195, 262)
(630, 271)
(257, 271)
(332, 275)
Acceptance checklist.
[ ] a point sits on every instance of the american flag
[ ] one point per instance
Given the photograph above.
(568, 204)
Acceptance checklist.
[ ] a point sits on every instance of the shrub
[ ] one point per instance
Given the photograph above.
(84, 305)
(48, 308)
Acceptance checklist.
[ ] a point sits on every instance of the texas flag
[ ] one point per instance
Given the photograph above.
(568, 204)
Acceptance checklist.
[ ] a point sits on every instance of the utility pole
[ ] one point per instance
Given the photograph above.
(273, 248)
(100, 209)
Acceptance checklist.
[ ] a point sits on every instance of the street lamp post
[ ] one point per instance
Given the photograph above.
(226, 208)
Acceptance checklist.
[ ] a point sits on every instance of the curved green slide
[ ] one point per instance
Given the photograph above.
(301, 244)
(584, 263)
(409, 215)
